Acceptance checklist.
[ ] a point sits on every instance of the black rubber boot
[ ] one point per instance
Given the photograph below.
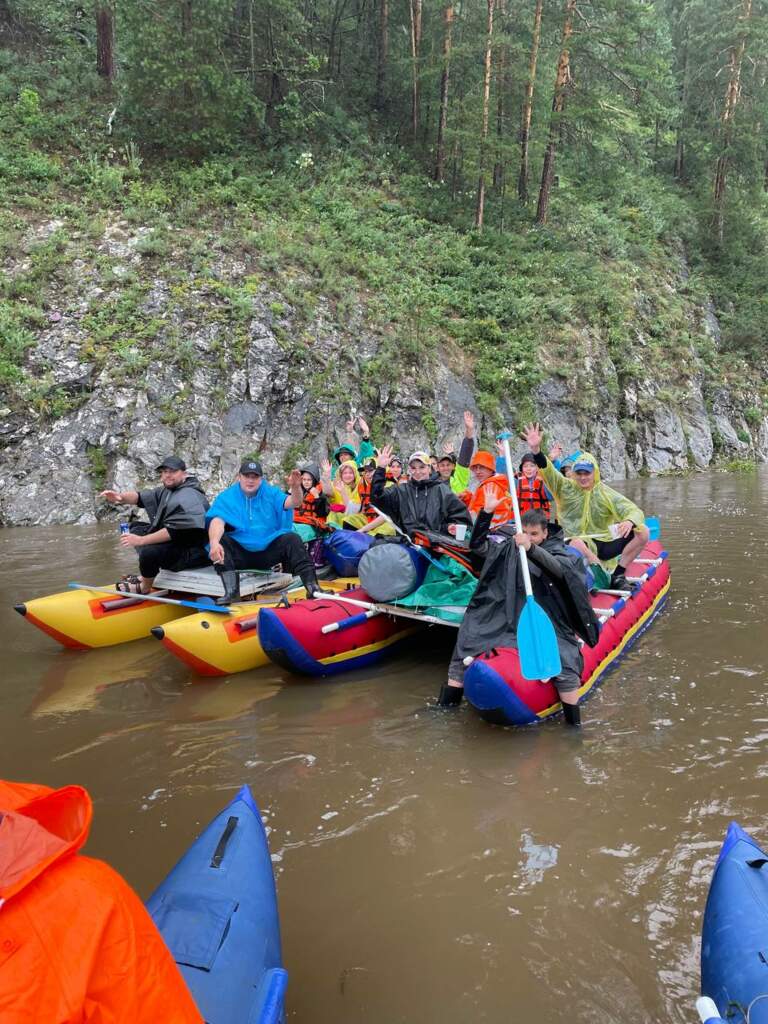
(309, 582)
(572, 714)
(231, 581)
(619, 580)
(450, 696)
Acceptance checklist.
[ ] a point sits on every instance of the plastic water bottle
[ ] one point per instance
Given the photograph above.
(124, 528)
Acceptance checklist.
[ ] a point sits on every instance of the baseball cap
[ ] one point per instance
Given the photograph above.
(447, 457)
(420, 456)
(172, 462)
(583, 467)
(251, 466)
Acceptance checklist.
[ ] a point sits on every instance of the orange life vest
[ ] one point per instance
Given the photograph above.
(307, 512)
(499, 486)
(76, 943)
(364, 490)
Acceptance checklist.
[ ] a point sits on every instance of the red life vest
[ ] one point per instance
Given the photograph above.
(532, 494)
(364, 490)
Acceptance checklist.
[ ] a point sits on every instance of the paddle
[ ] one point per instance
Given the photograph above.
(408, 540)
(206, 605)
(536, 640)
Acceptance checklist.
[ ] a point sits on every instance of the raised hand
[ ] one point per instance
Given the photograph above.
(500, 448)
(363, 427)
(325, 467)
(555, 452)
(533, 435)
(469, 423)
(293, 479)
(350, 426)
(492, 501)
(448, 448)
(384, 456)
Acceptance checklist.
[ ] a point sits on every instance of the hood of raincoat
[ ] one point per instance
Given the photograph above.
(592, 461)
(38, 827)
(313, 469)
(344, 448)
(254, 522)
(337, 481)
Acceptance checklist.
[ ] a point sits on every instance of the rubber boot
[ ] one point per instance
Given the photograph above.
(450, 696)
(572, 713)
(309, 582)
(231, 581)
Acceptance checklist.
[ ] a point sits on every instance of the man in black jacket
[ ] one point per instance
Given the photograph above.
(176, 536)
(423, 503)
(558, 581)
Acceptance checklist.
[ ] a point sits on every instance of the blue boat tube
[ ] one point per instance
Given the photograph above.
(217, 911)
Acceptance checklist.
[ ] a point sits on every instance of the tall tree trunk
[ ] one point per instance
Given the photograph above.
(562, 80)
(416, 21)
(502, 91)
(105, 41)
(732, 93)
(442, 123)
(525, 118)
(480, 208)
(679, 169)
(383, 56)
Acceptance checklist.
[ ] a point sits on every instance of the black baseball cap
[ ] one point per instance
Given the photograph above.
(251, 466)
(172, 462)
(447, 457)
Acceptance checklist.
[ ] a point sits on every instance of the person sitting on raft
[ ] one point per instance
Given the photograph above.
(78, 944)
(175, 538)
(422, 503)
(250, 526)
(483, 467)
(454, 469)
(309, 519)
(605, 526)
(559, 587)
(350, 501)
(531, 492)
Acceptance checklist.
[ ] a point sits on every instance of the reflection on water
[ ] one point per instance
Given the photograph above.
(430, 867)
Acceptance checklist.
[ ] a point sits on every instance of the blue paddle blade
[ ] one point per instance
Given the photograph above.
(537, 643)
(654, 527)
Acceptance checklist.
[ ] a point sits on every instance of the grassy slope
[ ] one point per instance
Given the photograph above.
(363, 229)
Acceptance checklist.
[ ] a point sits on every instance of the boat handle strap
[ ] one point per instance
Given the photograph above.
(221, 846)
(757, 862)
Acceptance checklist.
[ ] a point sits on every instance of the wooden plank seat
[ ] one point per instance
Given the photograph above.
(207, 581)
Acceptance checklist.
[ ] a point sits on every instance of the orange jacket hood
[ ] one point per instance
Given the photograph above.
(38, 827)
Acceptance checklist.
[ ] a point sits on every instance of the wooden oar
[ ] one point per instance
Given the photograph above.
(536, 639)
(206, 605)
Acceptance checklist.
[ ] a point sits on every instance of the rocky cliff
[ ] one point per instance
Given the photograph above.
(184, 372)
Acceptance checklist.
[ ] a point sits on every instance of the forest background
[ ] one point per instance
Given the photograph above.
(520, 188)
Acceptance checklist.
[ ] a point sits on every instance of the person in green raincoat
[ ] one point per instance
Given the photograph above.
(603, 524)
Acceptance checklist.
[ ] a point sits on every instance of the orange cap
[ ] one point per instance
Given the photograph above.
(485, 459)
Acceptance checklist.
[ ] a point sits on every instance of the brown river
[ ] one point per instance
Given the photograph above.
(431, 867)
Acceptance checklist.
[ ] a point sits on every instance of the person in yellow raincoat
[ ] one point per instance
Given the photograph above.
(347, 503)
(603, 524)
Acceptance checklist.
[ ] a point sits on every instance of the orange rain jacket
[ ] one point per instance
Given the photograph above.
(76, 944)
(498, 485)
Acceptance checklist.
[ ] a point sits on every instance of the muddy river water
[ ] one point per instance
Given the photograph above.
(430, 867)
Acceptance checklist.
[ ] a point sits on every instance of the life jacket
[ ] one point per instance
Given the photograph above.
(76, 943)
(500, 486)
(313, 510)
(364, 490)
(532, 494)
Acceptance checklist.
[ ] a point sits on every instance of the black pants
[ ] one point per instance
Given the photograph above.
(168, 555)
(287, 550)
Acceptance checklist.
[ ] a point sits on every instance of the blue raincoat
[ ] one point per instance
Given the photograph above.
(253, 522)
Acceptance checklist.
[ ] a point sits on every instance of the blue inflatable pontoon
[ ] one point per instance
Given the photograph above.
(734, 938)
(217, 911)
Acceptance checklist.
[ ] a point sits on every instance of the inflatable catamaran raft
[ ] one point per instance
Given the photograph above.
(84, 617)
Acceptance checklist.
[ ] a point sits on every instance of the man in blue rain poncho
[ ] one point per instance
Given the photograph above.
(250, 526)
